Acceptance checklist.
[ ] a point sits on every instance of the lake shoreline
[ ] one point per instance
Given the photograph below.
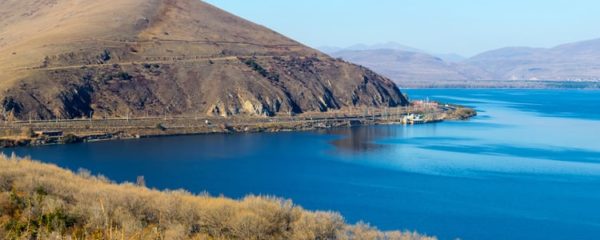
(526, 158)
(42, 133)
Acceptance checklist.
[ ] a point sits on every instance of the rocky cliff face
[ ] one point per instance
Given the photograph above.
(70, 59)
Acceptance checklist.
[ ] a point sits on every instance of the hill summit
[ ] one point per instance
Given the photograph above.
(76, 58)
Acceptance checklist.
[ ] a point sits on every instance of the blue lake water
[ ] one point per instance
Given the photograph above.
(528, 167)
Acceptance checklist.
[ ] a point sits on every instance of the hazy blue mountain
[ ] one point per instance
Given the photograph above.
(403, 66)
(363, 47)
(450, 57)
(578, 61)
(573, 61)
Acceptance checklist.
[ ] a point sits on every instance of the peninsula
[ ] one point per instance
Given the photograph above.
(45, 132)
(73, 71)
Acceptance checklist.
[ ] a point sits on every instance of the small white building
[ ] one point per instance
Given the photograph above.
(413, 118)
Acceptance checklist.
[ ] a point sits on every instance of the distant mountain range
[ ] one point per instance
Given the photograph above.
(401, 65)
(449, 57)
(574, 62)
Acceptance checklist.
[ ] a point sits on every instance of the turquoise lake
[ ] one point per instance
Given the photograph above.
(528, 167)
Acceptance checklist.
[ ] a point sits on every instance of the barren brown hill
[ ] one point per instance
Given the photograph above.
(71, 58)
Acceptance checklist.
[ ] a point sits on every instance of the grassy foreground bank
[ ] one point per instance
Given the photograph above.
(42, 201)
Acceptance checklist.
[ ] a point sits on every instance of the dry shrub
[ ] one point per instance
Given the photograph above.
(41, 201)
(27, 132)
(318, 225)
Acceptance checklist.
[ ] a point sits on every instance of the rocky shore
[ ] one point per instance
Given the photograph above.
(37, 133)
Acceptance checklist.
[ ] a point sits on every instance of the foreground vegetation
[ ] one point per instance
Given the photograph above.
(41, 201)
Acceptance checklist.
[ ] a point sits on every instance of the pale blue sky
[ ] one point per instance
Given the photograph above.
(466, 27)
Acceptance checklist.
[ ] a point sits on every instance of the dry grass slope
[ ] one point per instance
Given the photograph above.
(41, 201)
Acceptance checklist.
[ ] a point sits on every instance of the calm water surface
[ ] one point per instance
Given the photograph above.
(528, 167)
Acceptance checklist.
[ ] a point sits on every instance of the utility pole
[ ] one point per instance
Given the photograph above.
(373, 113)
